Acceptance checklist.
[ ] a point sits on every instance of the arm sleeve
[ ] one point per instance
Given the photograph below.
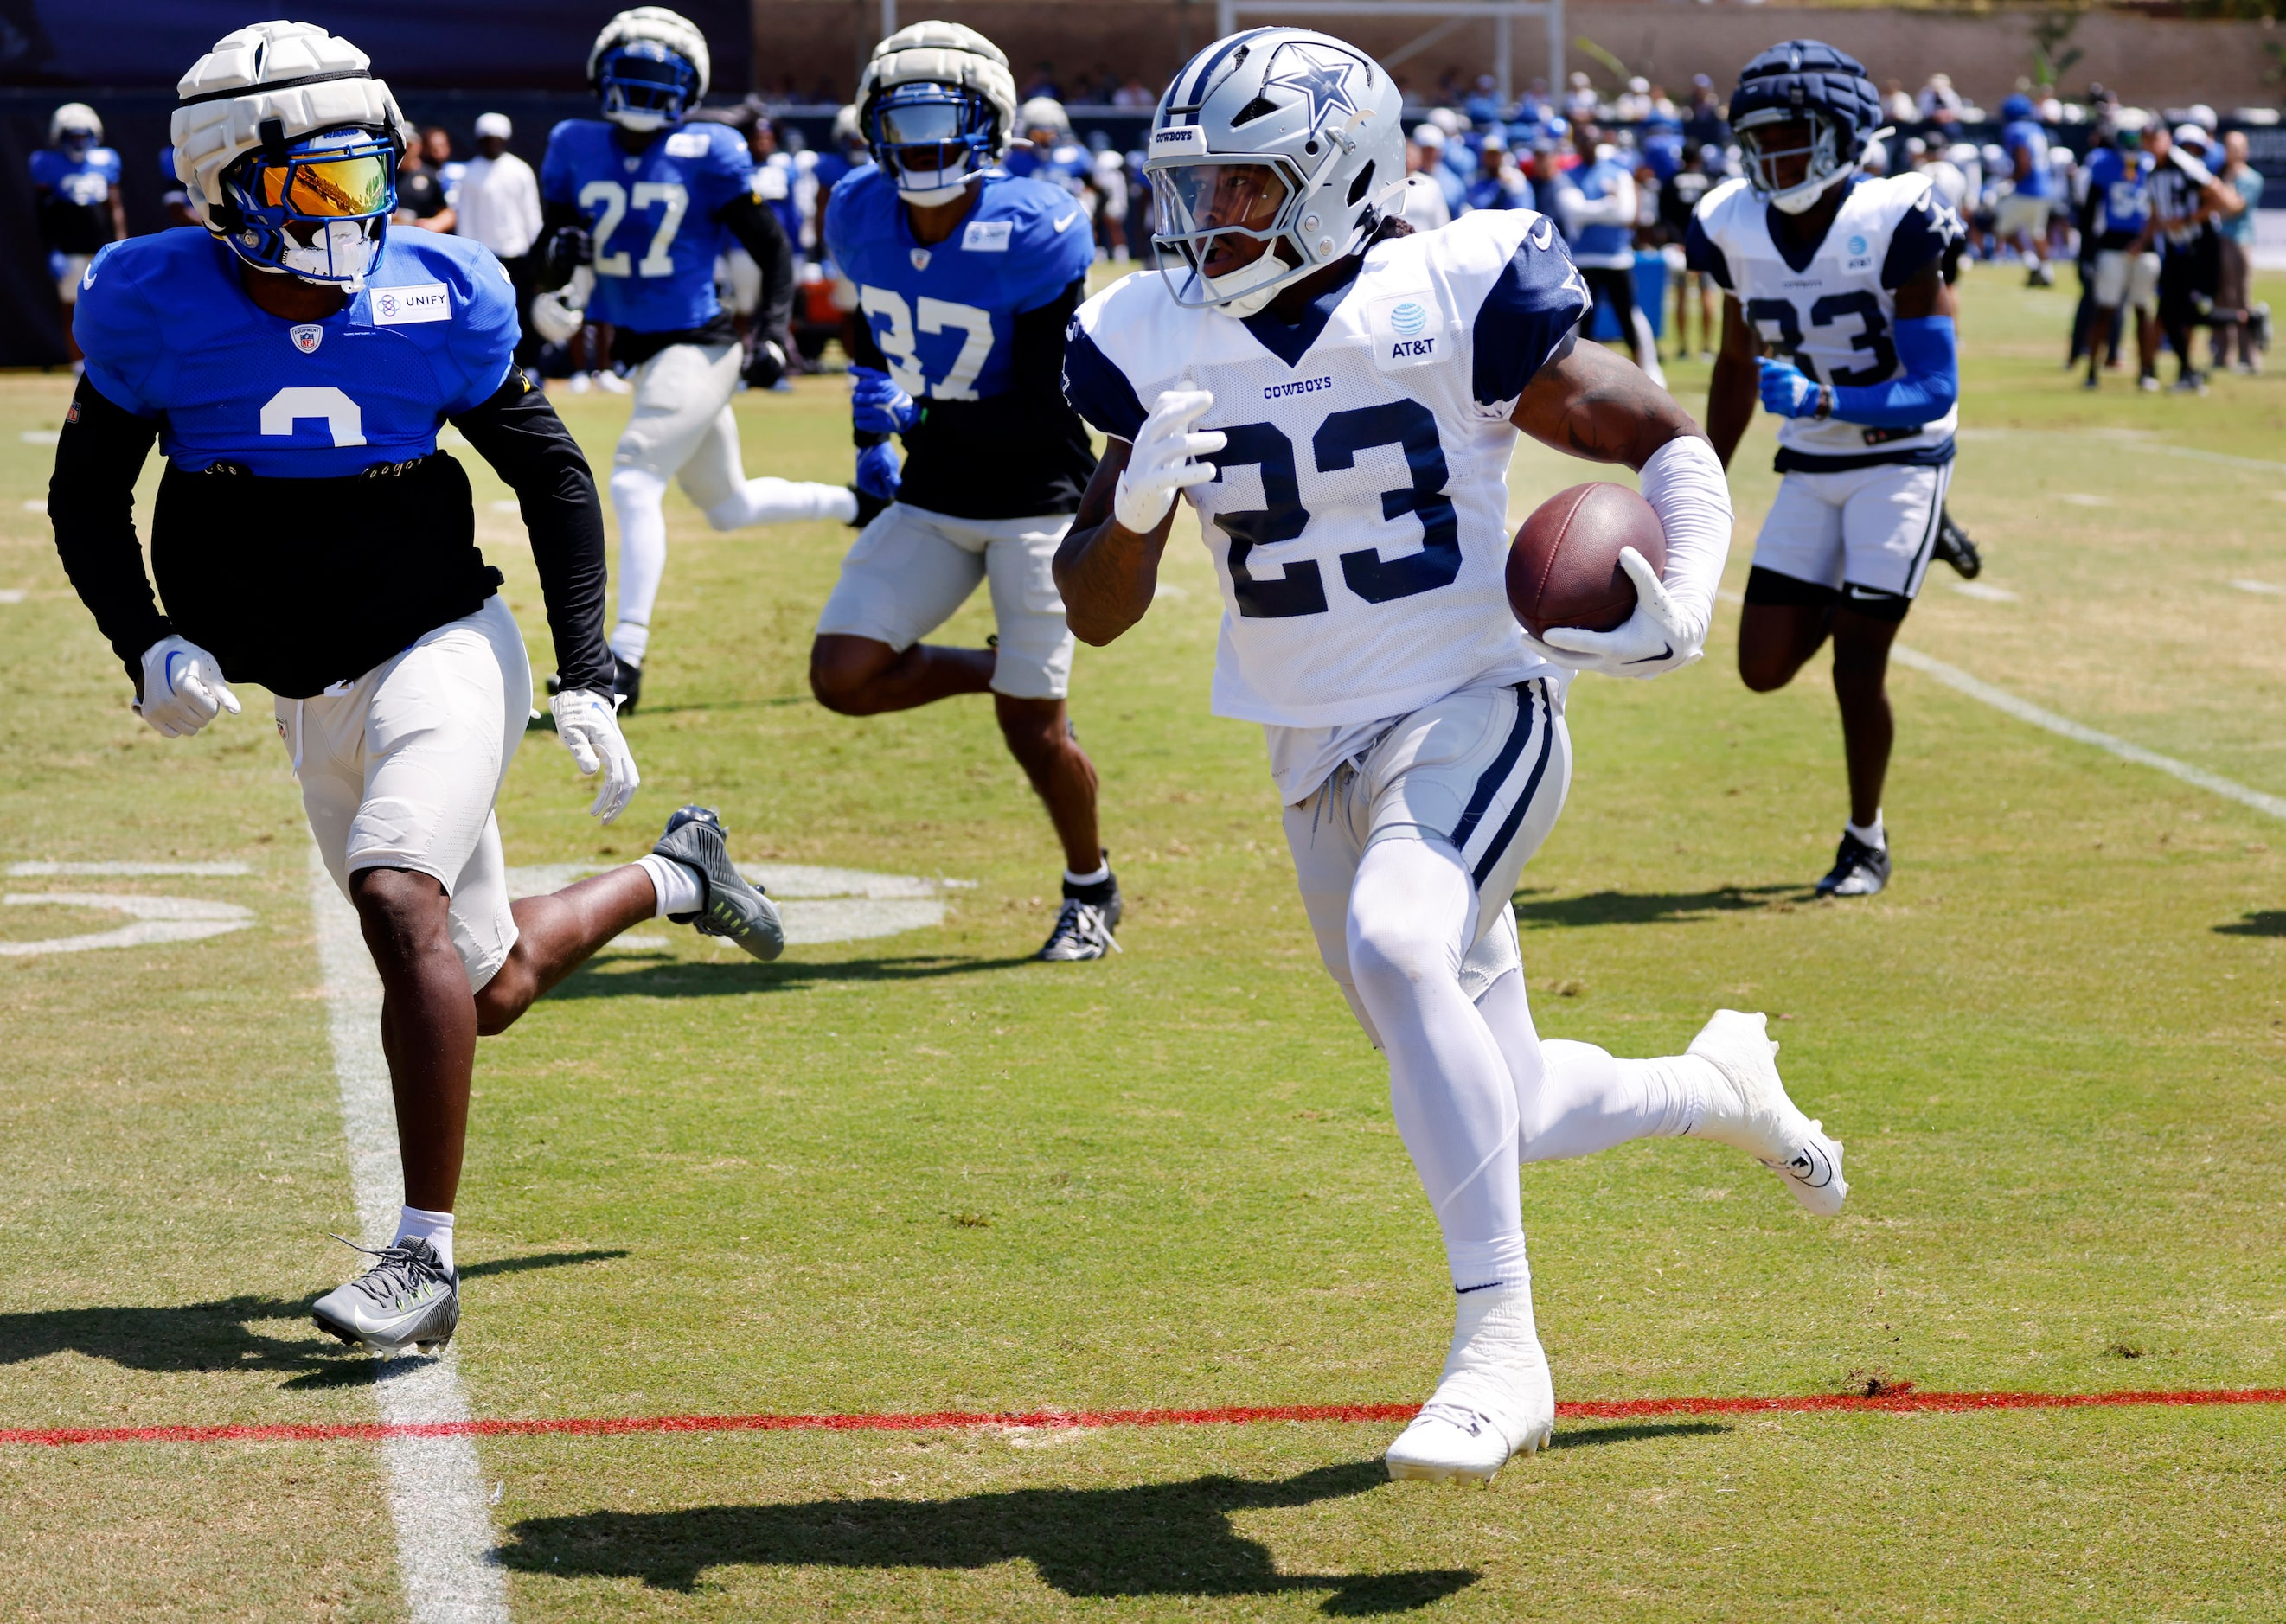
(91, 503)
(1097, 390)
(527, 445)
(756, 227)
(1533, 305)
(1685, 485)
(1701, 253)
(1925, 392)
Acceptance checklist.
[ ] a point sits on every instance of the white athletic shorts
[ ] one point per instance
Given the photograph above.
(1871, 528)
(2020, 216)
(1484, 771)
(399, 769)
(682, 424)
(912, 568)
(67, 284)
(2122, 277)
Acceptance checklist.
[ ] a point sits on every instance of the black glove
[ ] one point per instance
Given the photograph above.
(566, 251)
(766, 364)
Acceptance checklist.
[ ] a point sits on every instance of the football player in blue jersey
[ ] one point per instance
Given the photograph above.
(295, 359)
(1838, 317)
(966, 277)
(1048, 153)
(637, 206)
(75, 193)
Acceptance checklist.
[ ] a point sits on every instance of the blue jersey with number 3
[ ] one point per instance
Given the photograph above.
(944, 315)
(652, 215)
(168, 332)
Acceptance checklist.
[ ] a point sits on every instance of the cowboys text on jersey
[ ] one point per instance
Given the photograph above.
(1834, 314)
(1360, 522)
(652, 215)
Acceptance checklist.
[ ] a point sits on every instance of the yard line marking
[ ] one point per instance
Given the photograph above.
(1985, 590)
(436, 1491)
(2262, 586)
(2024, 710)
(15, 594)
(201, 871)
(1903, 1400)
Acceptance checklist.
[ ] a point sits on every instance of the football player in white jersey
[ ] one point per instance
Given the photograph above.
(1339, 397)
(1839, 317)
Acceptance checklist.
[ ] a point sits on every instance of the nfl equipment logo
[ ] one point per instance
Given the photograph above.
(306, 338)
(920, 259)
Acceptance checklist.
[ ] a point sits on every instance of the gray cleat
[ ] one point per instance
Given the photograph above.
(408, 1298)
(734, 907)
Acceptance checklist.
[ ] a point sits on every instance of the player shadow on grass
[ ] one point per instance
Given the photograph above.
(226, 1335)
(1154, 1539)
(1650, 907)
(2269, 922)
(683, 979)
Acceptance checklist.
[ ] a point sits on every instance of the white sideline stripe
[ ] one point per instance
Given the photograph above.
(201, 871)
(2024, 710)
(436, 1490)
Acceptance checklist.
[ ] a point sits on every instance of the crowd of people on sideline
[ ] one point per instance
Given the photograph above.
(2156, 212)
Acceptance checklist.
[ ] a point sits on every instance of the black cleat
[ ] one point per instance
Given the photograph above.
(1954, 546)
(734, 907)
(1859, 870)
(1085, 923)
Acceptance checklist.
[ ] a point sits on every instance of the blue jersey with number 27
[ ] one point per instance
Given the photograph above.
(652, 216)
(944, 315)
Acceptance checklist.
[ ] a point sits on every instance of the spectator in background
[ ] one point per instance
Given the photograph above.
(2187, 200)
(1425, 158)
(1632, 105)
(1483, 103)
(1939, 103)
(2234, 323)
(1706, 125)
(499, 208)
(1595, 205)
(75, 198)
(2022, 222)
(1678, 200)
(1135, 94)
(421, 195)
(437, 153)
(1043, 82)
(1898, 105)
(1499, 182)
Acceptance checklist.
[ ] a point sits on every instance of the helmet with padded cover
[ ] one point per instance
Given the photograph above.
(937, 107)
(287, 146)
(650, 68)
(1803, 81)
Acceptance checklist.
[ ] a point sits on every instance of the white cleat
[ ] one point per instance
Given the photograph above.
(1753, 1115)
(1494, 1402)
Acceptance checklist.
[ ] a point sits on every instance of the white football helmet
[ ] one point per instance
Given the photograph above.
(650, 68)
(1044, 113)
(937, 107)
(74, 118)
(1284, 137)
(316, 202)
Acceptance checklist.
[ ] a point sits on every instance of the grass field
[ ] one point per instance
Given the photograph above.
(918, 1173)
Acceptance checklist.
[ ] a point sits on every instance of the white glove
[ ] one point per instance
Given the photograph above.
(589, 724)
(1658, 638)
(182, 688)
(1160, 464)
(558, 314)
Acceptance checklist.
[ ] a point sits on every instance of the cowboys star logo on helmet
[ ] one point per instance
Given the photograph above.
(1323, 79)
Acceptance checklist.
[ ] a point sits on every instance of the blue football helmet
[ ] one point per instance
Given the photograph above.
(2017, 108)
(315, 206)
(931, 140)
(1808, 83)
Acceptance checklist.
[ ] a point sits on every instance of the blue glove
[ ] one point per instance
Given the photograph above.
(1787, 391)
(877, 474)
(878, 406)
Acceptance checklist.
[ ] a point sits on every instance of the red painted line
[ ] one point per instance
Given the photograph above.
(1901, 1401)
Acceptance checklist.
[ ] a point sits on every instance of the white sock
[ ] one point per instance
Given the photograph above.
(680, 889)
(419, 1223)
(639, 499)
(1876, 837)
(1574, 1098)
(781, 501)
(630, 641)
(1096, 878)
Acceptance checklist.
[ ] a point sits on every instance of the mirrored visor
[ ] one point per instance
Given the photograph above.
(1197, 197)
(921, 124)
(329, 188)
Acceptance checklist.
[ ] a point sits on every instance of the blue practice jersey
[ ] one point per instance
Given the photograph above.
(653, 215)
(169, 333)
(944, 316)
(2030, 136)
(1066, 166)
(72, 192)
(2119, 183)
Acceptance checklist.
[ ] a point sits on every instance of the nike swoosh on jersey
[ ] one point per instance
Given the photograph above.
(1067, 220)
(87, 277)
(1545, 236)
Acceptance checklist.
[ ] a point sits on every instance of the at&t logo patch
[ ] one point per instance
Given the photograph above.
(1408, 319)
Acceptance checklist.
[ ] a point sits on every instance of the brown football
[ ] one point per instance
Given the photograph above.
(1564, 569)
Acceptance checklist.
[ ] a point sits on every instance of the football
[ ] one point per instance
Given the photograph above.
(1564, 568)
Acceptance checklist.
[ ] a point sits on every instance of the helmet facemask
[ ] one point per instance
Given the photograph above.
(1227, 221)
(315, 208)
(646, 87)
(931, 140)
(1793, 154)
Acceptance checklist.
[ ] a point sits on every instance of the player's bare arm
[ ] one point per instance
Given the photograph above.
(1113, 568)
(1592, 403)
(1730, 393)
